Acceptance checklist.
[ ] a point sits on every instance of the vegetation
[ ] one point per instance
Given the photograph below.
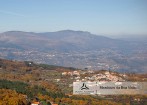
(11, 97)
(28, 90)
(24, 82)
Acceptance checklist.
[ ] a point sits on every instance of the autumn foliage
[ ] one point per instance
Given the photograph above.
(11, 97)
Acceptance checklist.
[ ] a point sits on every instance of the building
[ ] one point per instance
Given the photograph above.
(64, 73)
(76, 73)
(35, 103)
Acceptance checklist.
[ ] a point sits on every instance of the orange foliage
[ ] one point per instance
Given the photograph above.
(11, 97)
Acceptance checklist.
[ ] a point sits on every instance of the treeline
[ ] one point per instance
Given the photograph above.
(30, 91)
(19, 87)
(16, 90)
(53, 67)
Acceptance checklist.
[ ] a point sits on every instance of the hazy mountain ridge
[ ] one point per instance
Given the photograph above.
(74, 49)
(66, 39)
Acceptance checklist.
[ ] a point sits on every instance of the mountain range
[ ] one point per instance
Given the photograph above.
(75, 44)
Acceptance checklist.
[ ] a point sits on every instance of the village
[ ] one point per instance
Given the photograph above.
(90, 75)
(68, 77)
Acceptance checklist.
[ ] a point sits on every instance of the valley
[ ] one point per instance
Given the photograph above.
(62, 48)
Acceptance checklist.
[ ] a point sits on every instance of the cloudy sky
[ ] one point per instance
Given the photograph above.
(105, 17)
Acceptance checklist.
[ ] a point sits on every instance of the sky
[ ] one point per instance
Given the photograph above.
(102, 17)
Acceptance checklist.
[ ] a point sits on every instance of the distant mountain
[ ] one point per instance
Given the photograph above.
(74, 49)
(66, 40)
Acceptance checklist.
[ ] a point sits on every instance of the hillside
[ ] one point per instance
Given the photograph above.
(64, 41)
(78, 49)
(25, 79)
